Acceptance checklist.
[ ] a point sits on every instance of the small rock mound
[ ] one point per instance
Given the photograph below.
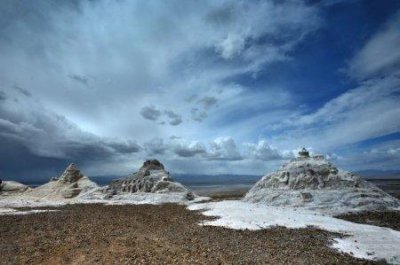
(12, 187)
(69, 185)
(151, 178)
(315, 183)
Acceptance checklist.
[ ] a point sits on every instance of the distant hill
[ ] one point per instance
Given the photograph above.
(197, 179)
(379, 174)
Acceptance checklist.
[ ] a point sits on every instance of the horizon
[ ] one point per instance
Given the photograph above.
(369, 174)
(208, 88)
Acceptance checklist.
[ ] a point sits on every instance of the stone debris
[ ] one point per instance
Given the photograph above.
(151, 178)
(313, 182)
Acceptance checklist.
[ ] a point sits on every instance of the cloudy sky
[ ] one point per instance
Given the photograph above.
(207, 87)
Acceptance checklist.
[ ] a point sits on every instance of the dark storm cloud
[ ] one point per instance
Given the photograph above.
(44, 138)
(50, 139)
(18, 161)
(150, 113)
(175, 119)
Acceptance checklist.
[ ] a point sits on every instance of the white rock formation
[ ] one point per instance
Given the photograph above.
(151, 178)
(69, 185)
(315, 183)
(12, 187)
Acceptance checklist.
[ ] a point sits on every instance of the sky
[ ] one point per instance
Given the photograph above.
(206, 87)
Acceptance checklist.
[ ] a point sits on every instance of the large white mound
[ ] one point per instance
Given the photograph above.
(69, 185)
(151, 178)
(315, 183)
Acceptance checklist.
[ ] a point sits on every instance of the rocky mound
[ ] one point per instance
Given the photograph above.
(11, 187)
(315, 183)
(69, 185)
(151, 178)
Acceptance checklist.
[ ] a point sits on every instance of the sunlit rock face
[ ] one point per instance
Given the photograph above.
(151, 177)
(315, 183)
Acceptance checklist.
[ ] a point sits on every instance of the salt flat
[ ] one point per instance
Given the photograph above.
(363, 241)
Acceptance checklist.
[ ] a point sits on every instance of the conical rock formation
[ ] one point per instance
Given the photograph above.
(151, 178)
(315, 183)
(69, 185)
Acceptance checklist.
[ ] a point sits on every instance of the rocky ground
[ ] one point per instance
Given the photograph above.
(153, 234)
(228, 194)
(389, 219)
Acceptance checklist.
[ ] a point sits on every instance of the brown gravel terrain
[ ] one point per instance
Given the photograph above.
(153, 234)
(220, 195)
(389, 219)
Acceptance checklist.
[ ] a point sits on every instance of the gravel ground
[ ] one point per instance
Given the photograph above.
(389, 219)
(219, 195)
(153, 234)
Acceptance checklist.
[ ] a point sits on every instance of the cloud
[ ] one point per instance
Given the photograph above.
(80, 79)
(46, 136)
(367, 111)
(208, 101)
(380, 55)
(3, 96)
(150, 113)
(175, 119)
(155, 146)
(223, 148)
(191, 98)
(264, 152)
(188, 148)
(198, 115)
(133, 78)
(233, 45)
(23, 91)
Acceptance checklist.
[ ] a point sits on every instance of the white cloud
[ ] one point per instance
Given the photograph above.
(368, 111)
(231, 46)
(96, 61)
(380, 55)
(109, 67)
(263, 151)
(223, 148)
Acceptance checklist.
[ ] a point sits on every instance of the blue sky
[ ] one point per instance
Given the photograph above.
(207, 87)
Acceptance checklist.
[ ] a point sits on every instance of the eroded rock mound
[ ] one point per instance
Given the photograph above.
(315, 183)
(152, 178)
(70, 184)
(11, 187)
